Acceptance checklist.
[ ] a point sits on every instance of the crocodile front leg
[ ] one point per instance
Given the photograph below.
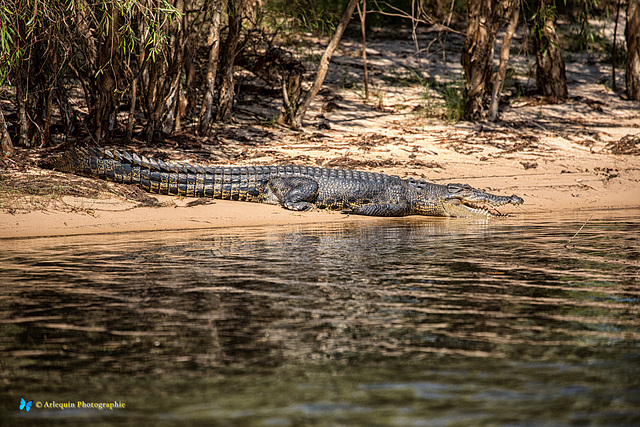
(295, 193)
(380, 209)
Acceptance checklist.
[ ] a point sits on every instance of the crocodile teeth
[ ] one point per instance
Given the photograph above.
(485, 209)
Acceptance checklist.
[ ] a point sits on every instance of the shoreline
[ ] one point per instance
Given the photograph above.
(95, 216)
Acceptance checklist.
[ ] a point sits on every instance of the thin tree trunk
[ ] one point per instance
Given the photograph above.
(290, 72)
(190, 85)
(172, 101)
(67, 113)
(132, 109)
(137, 82)
(632, 33)
(477, 55)
(5, 138)
(50, 85)
(514, 14)
(551, 78)
(213, 40)
(177, 46)
(152, 99)
(106, 82)
(22, 98)
(324, 65)
(363, 17)
(286, 114)
(226, 95)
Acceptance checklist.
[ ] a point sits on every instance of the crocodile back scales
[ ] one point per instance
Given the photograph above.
(338, 188)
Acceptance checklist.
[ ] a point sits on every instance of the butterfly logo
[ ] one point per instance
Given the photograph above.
(25, 405)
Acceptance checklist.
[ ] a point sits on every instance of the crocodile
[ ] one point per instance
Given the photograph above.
(294, 187)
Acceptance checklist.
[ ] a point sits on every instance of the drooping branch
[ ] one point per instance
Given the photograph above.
(324, 65)
(514, 13)
(363, 16)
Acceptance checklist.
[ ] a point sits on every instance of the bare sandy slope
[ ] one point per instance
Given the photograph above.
(558, 157)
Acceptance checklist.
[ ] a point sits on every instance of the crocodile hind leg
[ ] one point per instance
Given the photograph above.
(295, 193)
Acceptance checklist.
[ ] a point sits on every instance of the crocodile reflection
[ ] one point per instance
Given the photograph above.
(195, 300)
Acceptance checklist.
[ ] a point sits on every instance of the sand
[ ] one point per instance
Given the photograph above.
(573, 183)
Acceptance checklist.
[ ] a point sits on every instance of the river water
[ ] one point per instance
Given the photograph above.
(405, 322)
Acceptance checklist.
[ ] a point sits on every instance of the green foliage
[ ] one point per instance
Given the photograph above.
(142, 23)
(540, 27)
(26, 27)
(319, 17)
(271, 121)
(102, 45)
(587, 32)
(429, 107)
(9, 53)
(449, 105)
(322, 16)
(584, 33)
(454, 100)
(511, 81)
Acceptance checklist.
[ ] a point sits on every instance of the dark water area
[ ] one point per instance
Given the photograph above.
(401, 322)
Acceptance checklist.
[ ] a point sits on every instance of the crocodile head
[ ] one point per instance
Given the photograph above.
(462, 200)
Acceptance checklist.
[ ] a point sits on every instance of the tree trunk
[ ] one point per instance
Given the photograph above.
(551, 79)
(22, 96)
(514, 13)
(131, 119)
(226, 95)
(290, 71)
(187, 106)
(172, 99)
(106, 80)
(67, 113)
(5, 138)
(152, 99)
(48, 107)
(632, 33)
(213, 40)
(324, 66)
(477, 55)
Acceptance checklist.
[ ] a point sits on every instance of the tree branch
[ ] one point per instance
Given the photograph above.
(324, 65)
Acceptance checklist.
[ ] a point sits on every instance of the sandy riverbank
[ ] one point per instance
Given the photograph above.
(544, 190)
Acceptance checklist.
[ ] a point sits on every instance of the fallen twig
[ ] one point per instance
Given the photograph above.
(571, 239)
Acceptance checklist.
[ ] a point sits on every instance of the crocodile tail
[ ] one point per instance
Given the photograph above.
(70, 161)
(159, 177)
(95, 163)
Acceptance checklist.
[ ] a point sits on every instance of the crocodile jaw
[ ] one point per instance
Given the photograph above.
(465, 209)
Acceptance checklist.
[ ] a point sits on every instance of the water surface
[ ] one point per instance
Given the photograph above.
(418, 321)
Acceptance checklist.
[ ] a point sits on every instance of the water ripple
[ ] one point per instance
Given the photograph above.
(184, 303)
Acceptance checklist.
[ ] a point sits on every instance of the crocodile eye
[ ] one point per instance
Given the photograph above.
(454, 188)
